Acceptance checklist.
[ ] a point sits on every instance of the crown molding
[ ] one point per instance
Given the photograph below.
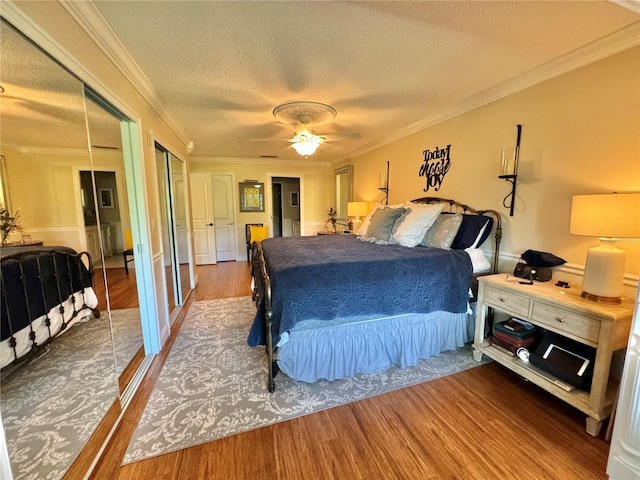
(93, 23)
(63, 152)
(616, 42)
(633, 5)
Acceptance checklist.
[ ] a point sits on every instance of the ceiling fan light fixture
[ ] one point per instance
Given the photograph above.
(306, 148)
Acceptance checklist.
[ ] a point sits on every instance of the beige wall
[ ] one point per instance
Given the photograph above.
(44, 192)
(581, 135)
(317, 192)
(44, 189)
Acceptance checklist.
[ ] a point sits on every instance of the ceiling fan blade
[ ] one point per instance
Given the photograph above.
(270, 140)
(336, 137)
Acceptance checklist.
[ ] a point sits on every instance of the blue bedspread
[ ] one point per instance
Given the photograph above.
(329, 276)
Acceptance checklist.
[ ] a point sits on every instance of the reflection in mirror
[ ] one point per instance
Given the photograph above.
(344, 190)
(5, 197)
(53, 396)
(106, 220)
(178, 188)
(162, 166)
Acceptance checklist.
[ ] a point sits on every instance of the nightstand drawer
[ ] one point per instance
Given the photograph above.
(507, 300)
(566, 321)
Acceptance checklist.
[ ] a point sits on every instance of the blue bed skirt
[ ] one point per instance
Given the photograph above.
(316, 350)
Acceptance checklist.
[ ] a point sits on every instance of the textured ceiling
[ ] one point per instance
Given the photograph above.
(220, 67)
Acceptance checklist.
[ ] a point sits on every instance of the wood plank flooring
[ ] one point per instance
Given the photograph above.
(485, 423)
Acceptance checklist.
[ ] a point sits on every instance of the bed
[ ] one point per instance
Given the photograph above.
(332, 306)
(45, 290)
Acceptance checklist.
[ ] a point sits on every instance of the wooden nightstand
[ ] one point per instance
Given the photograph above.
(604, 327)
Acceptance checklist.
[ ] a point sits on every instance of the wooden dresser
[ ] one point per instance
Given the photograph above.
(563, 311)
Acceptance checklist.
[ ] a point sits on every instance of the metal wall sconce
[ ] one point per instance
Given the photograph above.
(384, 185)
(510, 172)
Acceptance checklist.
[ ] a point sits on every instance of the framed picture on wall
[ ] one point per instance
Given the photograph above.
(251, 196)
(105, 197)
(294, 199)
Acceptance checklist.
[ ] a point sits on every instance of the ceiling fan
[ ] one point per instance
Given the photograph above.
(307, 114)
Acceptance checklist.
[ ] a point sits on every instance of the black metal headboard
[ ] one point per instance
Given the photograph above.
(455, 206)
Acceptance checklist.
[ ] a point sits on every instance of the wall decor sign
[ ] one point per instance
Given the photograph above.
(436, 164)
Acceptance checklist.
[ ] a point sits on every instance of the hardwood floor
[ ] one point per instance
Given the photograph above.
(123, 290)
(479, 424)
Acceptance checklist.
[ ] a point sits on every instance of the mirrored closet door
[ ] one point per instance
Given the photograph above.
(175, 228)
(63, 175)
(111, 212)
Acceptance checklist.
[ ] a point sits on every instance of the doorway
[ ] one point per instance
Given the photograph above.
(286, 200)
(276, 198)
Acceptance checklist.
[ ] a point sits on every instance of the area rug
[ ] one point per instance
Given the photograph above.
(127, 336)
(52, 404)
(213, 384)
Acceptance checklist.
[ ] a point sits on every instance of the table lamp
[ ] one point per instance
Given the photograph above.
(608, 217)
(357, 210)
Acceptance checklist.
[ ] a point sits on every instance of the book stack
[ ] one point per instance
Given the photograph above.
(513, 334)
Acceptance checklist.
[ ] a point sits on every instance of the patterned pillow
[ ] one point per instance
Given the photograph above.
(415, 224)
(381, 225)
(443, 231)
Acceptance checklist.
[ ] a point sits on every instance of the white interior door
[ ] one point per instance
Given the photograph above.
(180, 212)
(224, 217)
(203, 219)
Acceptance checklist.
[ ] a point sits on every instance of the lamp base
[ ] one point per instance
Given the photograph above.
(357, 223)
(601, 299)
(604, 272)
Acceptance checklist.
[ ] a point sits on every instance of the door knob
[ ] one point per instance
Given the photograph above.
(210, 224)
(230, 223)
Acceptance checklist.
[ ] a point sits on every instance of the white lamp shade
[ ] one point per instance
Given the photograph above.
(615, 215)
(357, 209)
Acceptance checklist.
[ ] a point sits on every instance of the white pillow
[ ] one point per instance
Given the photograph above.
(415, 224)
(480, 234)
(478, 260)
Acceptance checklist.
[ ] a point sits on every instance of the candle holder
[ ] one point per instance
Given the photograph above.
(384, 185)
(510, 172)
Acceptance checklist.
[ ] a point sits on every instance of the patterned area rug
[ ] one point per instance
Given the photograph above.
(213, 384)
(127, 336)
(52, 404)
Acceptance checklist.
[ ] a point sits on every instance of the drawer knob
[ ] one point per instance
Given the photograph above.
(501, 299)
(559, 319)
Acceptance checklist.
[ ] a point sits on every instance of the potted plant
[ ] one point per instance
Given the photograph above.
(332, 218)
(8, 223)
